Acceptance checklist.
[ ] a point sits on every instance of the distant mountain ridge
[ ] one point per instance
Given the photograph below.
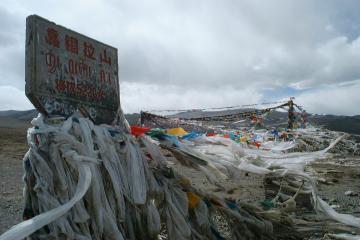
(349, 124)
(21, 115)
(200, 113)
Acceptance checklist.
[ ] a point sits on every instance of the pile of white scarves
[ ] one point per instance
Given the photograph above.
(84, 181)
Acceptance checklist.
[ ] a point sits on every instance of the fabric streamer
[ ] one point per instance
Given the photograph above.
(84, 181)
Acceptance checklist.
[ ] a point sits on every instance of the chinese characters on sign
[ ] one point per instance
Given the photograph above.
(66, 71)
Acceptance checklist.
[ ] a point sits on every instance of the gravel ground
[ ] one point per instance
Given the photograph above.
(335, 177)
(11, 192)
(12, 148)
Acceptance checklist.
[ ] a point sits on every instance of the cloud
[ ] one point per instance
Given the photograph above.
(12, 98)
(134, 95)
(10, 26)
(341, 99)
(188, 46)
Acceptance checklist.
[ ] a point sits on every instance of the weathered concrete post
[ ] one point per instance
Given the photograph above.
(291, 114)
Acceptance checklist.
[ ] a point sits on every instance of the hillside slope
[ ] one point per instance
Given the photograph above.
(349, 124)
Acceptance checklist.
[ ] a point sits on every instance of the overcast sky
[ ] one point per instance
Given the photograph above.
(206, 53)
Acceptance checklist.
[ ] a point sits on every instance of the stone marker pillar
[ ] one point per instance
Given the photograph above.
(67, 71)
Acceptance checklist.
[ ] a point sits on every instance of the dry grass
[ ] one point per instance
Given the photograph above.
(13, 141)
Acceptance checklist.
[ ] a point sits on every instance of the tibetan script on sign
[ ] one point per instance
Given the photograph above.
(67, 71)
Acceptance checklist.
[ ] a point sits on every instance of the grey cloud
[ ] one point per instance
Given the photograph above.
(343, 16)
(12, 67)
(12, 40)
(247, 42)
(10, 28)
(206, 44)
(342, 100)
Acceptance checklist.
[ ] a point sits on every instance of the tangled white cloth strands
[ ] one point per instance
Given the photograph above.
(292, 165)
(81, 163)
(60, 156)
(84, 181)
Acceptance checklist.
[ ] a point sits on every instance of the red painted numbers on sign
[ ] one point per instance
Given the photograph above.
(52, 61)
(89, 51)
(60, 85)
(81, 90)
(105, 77)
(79, 68)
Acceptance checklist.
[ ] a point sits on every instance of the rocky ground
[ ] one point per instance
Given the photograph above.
(338, 181)
(12, 149)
